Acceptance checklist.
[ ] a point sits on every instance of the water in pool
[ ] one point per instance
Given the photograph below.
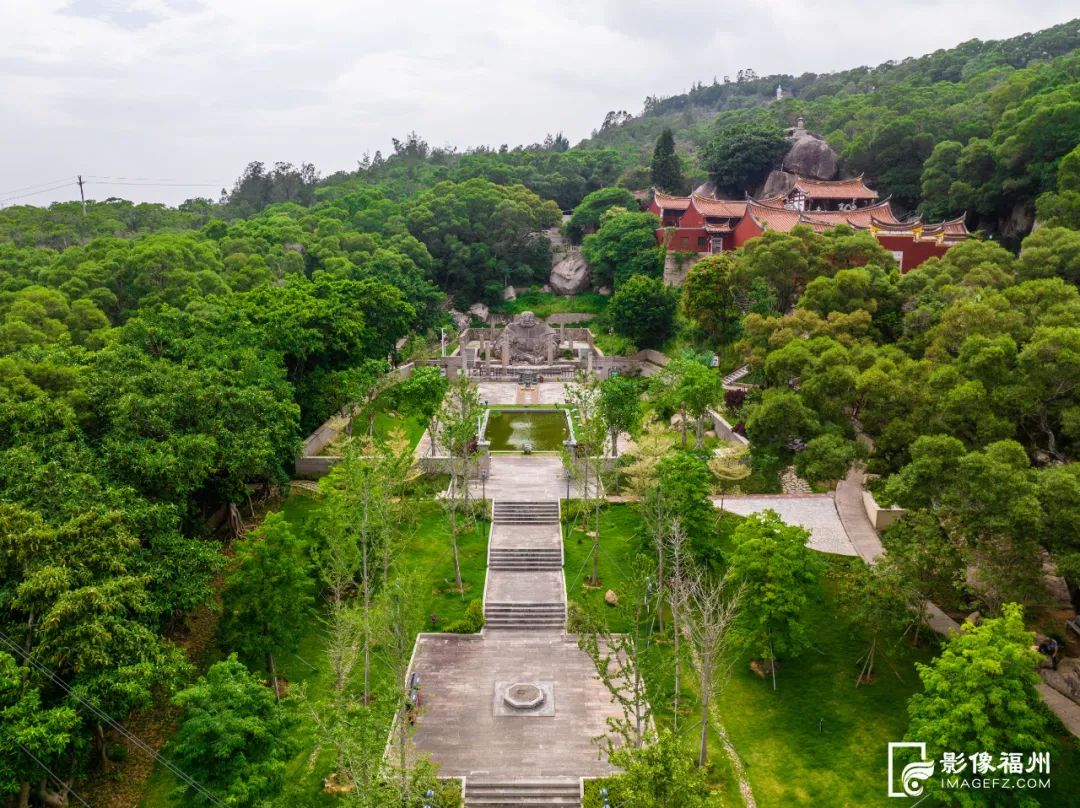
(509, 431)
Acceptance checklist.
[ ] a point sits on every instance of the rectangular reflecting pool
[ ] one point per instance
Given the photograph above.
(542, 430)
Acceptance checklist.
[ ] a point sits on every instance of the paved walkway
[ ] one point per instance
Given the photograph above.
(815, 512)
(849, 504)
(507, 393)
(525, 477)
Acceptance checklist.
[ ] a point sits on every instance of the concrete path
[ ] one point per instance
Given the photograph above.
(849, 504)
(815, 512)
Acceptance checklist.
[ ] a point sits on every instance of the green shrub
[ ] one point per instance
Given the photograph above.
(471, 623)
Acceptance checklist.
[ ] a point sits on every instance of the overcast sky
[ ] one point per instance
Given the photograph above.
(190, 91)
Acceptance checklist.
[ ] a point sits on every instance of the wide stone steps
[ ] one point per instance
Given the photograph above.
(516, 793)
(524, 615)
(525, 513)
(738, 373)
(525, 559)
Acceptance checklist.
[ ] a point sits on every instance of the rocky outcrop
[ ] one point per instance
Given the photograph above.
(777, 184)
(569, 274)
(811, 156)
(479, 311)
(707, 188)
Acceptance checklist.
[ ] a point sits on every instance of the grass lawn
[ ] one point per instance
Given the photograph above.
(426, 549)
(817, 740)
(543, 304)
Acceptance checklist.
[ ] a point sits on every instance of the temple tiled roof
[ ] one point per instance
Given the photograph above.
(954, 229)
(720, 208)
(853, 188)
(775, 217)
(671, 202)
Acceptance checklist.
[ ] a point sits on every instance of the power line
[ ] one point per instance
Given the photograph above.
(137, 179)
(67, 184)
(160, 184)
(107, 719)
(35, 185)
(53, 775)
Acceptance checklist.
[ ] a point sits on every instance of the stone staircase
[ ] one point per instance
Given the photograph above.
(737, 374)
(539, 791)
(525, 616)
(525, 513)
(525, 559)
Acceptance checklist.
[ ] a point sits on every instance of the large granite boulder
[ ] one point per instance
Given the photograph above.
(569, 275)
(479, 311)
(778, 183)
(811, 156)
(708, 189)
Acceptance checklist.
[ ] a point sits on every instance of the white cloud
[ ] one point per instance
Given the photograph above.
(194, 90)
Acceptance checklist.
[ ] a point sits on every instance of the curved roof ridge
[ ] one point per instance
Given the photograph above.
(804, 178)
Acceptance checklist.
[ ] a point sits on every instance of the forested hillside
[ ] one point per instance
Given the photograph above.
(979, 127)
(158, 365)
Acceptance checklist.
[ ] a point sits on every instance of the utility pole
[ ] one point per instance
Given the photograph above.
(82, 196)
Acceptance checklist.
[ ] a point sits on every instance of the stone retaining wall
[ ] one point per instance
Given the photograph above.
(311, 465)
(880, 517)
(725, 431)
(676, 268)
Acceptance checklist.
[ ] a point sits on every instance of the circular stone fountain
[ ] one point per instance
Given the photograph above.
(523, 696)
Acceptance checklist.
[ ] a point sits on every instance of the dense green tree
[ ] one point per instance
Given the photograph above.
(421, 396)
(921, 553)
(708, 296)
(483, 235)
(587, 216)
(979, 696)
(267, 600)
(780, 418)
(28, 728)
(683, 483)
(780, 260)
(234, 739)
(643, 310)
(738, 157)
(776, 573)
(624, 246)
(988, 502)
(827, 457)
(620, 407)
(691, 387)
(1051, 252)
(666, 173)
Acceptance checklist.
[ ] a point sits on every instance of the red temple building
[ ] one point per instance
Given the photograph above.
(704, 225)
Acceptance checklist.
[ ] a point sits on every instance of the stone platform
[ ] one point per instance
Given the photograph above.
(458, 725)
